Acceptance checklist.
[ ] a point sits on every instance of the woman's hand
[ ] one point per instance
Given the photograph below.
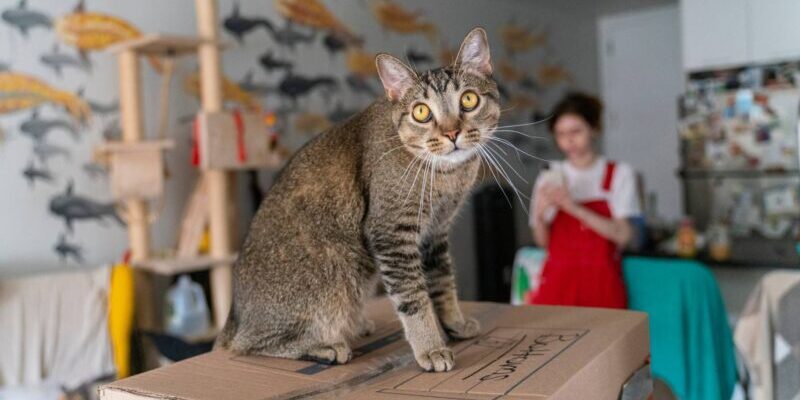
(559, 197)
(543, 202)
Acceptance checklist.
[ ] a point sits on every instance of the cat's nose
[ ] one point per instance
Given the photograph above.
(452, 135)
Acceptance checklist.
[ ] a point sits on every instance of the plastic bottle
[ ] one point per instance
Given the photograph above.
(686, 246)
(187, 311)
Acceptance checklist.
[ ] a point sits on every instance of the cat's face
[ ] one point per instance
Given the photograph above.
(448, 112)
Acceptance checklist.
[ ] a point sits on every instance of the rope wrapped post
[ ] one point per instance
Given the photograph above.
(217, 180)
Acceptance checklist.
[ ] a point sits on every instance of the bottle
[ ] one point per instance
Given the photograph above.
(187, 311)
(719, 242)
(687, 238)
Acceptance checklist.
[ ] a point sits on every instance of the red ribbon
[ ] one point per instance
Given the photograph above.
(196, 142)
(242, 152)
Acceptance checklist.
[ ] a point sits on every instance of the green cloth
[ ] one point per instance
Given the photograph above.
(690, 340)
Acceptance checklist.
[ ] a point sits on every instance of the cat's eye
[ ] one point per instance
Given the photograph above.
(469, 100)
(421, 113)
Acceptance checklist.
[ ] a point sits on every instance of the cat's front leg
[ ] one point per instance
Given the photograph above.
(400, 265)
(441, 284)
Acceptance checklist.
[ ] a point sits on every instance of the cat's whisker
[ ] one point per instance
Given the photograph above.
(424, 184)
(519, 151)
(482, 154)
(506, 162)
(495, 130)
(407, 174)
(389, 151)
(527, 123)
(503, 173)
(414, 182)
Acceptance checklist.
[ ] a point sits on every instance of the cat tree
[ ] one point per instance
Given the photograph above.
(227, 141)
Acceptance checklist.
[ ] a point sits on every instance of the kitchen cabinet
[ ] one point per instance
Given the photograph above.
(719, 34)
(775, 30)
(714, 33)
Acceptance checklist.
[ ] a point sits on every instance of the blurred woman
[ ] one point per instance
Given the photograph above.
(580, 211)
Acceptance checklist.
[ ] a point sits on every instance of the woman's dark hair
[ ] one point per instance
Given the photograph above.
(583, 105)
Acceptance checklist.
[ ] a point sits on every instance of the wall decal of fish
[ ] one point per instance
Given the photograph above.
(397, 19)
(94, 170)
(20, 92)
(239, 26)
(24, 19)
(509, 71)
(294, 86)
(37, 128)
(97, 107)
(289, 36)
(93, 31)
(45, 151)
(417, 57)
(261, 89)
(518, 39)
(270, 63)
(315, 14)
(333, 44)
(361, 63)
(231, 92)
(551, 74)
(66, 250)
(58, 60)
(32, 174)
(74, 207)
(360, 85)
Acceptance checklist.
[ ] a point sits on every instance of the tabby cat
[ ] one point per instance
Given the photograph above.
(369, 200)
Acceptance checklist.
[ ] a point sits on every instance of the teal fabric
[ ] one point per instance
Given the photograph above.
(690, 340)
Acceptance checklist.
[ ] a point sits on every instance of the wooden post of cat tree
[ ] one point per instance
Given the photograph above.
(217, 180)
(138, 229)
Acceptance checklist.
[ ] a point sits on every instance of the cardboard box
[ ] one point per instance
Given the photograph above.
(527, 352)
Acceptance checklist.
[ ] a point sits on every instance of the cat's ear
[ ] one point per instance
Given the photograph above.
(396, 77)
(474, 52)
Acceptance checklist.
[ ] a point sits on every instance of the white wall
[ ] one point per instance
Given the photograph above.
(642, 78)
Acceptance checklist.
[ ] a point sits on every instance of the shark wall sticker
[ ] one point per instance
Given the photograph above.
(260, 89)
(57, 60)
(97, 107)
(72, 208)
(66, 250)
(45, 151)
(38, 128)
(416, 57)
(295, 86)
(239, 26)
(32, 174)
(95, 171)
(289, 36)
(360, 85)
(270, 63)
(24, 19)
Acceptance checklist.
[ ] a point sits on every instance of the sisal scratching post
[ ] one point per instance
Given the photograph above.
(216, 179)
(138, 230)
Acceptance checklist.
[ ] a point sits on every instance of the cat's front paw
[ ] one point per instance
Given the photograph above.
(438, 360)
(465, 329)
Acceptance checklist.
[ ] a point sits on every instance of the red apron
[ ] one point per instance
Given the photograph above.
(582, 267)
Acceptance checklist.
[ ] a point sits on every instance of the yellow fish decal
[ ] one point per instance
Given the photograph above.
(517, 39)
(231, 92)
(314, 14)
(361, 63)
(551, 74)
(20, 92)
(93, 31)
(395, 18)
(508, 71)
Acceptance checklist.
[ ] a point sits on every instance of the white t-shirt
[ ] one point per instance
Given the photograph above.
(587, 184)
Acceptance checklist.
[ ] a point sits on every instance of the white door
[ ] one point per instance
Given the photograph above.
(641, 78)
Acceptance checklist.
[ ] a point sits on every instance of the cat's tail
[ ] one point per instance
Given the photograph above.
(228, 331)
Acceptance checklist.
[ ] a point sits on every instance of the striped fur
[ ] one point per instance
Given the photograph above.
(371, 200)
